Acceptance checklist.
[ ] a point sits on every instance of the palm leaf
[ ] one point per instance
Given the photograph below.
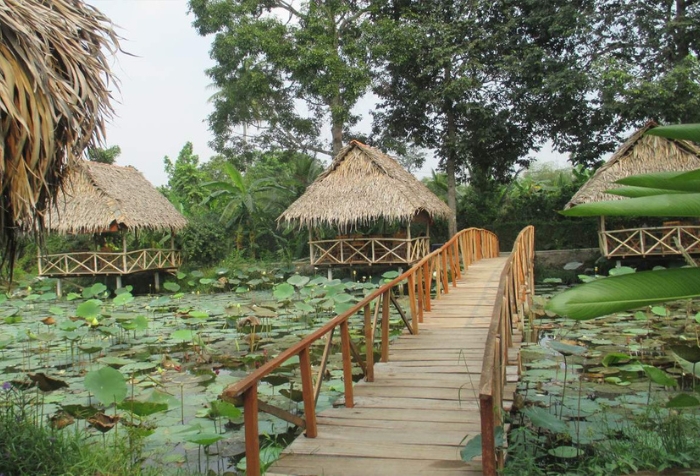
(629, 291)
(636, 192)
(678, 131)
(666, 205)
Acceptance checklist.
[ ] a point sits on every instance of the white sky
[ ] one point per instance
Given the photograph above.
(164, 90)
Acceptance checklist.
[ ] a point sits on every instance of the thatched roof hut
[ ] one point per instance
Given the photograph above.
(100, 198)
(640, 154)
(361, 186)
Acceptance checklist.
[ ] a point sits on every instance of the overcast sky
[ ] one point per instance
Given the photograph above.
(164, 90)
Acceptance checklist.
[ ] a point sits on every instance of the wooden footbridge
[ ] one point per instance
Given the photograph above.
(443, 382)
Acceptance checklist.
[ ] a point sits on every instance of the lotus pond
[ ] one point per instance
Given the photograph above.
(99, 360)
(587, 385)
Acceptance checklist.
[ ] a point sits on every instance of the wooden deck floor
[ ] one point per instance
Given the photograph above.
(423, 402)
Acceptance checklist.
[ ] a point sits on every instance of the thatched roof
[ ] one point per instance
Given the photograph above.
(361, 186)
(54, 96)
(640, 154)
(100, 197)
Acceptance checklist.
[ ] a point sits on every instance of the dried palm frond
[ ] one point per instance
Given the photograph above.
(54, 99)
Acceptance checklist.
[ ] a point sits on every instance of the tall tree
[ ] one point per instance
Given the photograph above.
(441, 86)
(272, 55)
(598, 68)
(185, 180)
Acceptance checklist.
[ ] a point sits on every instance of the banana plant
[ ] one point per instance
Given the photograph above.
(666, 194)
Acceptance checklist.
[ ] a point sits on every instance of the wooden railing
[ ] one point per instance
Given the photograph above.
(513, 301)
(656, 241)
(368, 250)
(99, 262)
(441, 267)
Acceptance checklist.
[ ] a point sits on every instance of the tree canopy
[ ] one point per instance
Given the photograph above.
(288, 69)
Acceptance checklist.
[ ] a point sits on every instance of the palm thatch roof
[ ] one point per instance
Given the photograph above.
(361, 186)
(640, 154)
(54, 98)
(101, 197)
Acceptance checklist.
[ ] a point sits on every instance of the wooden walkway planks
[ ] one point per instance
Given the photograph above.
(423, 403)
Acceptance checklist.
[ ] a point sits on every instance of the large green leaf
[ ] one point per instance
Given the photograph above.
(678, 131)
(667, 205)
(676, 181)
(108, 385)
(635, 192)
(620, 293)
(543, 419)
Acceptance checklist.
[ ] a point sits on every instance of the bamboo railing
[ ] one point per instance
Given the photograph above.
(368, 250)
(108, 263)
(513, 300)
(652, 241)
(441, 266)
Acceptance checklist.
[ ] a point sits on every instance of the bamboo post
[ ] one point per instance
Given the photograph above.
(347, 363)
(307, 390)
(250, 421)
(438, 277)
(386, 297)
(324, 363)
(311, 248)
(427, 283)
(369, 345)
(445, 276)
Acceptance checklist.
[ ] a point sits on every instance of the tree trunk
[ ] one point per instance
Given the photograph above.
(451, 158)
(337, 126)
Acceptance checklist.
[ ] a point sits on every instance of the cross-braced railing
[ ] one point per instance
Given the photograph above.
(655, 241)
(368, 250)
(513, 301)
(108, 263)
(437, 269)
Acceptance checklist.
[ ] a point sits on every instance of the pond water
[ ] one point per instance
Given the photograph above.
(177, 353)
(584, 381)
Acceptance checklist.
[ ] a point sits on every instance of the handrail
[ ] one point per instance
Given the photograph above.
(513, 301)
(107, 262)
(441, 265)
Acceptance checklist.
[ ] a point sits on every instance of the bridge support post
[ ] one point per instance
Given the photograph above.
(250, 420)
(119, 281)
(156, 278)
(59, 288)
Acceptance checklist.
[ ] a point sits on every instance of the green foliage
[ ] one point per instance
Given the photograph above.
(204, 241)
(265, 62)
(29, 448)
(103, 156)
(185, 179)
(108, 385)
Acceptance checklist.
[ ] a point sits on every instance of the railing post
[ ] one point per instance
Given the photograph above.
(386, 297)
(369, 345)
(419, 289)
(347, 363)
(307, 390)
(250, 421)
(445, 276)
(488, 440)
(412, 301)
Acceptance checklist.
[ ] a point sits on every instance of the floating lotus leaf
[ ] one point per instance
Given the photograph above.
(108, 385)
(171, 286)
(89, 309)
(72, 296)
(94, 290)
(691, 353)
(206, 281)
(142, 408)
(224, 409)
(544, 419)
(196, 274)
(283, 291)
(185, 335)
(123, 299)
(567, 349)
